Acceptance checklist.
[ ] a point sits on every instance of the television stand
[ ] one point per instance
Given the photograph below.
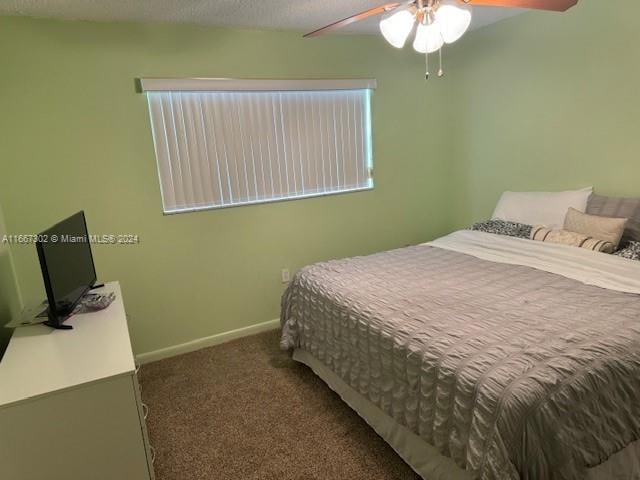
(70, 405)
(56, 324)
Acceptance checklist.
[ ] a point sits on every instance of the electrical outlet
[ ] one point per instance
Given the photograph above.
(284, 273)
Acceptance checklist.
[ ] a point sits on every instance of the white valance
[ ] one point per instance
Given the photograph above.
(251, 85)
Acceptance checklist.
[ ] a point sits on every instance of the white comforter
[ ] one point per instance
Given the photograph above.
(591, 268)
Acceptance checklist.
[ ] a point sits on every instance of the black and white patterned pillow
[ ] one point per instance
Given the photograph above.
(631, 251)
(503, 227)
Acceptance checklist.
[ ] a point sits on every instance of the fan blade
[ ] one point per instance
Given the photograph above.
(387, 7)
(554, 5)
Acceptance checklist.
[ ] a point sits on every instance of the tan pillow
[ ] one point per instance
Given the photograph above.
(564, 237)
(603, 228)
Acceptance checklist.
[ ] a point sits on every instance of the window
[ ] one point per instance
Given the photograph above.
(223, 143)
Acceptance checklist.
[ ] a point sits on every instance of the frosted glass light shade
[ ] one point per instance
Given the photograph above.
(428, 38)
(453, 19)
(397, 27)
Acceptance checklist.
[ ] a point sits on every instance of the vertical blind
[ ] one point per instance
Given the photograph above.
(225, 148)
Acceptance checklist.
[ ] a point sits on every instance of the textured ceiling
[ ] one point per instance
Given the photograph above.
(303, 15)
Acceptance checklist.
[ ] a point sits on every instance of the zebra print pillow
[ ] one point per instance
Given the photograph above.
(503, 227)
(631, 251)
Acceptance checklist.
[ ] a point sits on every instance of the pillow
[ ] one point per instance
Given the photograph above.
(563, 237)
(603, 228)
(502, 227)
(540, 208)
(619, 208)
(630, 251)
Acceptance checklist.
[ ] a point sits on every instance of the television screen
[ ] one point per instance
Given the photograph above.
(67, 265)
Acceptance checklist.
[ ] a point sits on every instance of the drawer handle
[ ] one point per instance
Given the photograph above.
(145, 410)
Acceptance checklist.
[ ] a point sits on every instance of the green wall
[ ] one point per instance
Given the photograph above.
(546, 101)
(10, 302)
(76, 135)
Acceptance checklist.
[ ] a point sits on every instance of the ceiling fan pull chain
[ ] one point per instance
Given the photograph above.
(440, 71)
(426, 61)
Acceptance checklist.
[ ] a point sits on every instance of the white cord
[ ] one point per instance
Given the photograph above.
(426, 61)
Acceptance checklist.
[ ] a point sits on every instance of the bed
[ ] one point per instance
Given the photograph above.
(480, 356)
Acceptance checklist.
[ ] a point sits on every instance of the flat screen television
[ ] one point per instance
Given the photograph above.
(64, 251)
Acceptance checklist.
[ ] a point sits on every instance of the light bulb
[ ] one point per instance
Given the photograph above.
(453, 19)
(428, 38)
(397, 27)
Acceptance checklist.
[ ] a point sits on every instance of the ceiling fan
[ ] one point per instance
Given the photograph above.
(439, 22)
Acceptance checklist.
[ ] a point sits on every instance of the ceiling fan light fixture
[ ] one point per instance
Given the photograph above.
(439, 21)
(453, 18)
(428, 38)
(397, 27)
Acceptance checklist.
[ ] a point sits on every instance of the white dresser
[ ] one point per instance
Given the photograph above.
(70, 406)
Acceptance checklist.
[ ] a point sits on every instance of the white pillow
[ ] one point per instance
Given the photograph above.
(540, 208)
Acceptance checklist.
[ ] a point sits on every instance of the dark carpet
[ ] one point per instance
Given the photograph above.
(245, 410)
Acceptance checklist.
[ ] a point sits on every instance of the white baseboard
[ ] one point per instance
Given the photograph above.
(206, 341)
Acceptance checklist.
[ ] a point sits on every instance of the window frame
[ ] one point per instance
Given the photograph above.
(186, 85)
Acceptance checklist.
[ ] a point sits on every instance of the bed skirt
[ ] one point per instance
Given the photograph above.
(423, 458)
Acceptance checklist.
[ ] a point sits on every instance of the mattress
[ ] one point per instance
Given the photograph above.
(513, 361)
